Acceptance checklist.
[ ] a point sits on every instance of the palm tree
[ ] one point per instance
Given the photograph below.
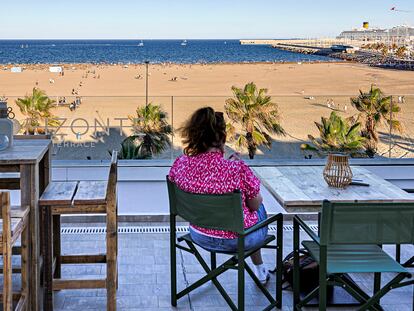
(401, 52)
(336, 135)
(253, 118)
(384, 51)
(37, 109)
(375, 108)
(151, 132)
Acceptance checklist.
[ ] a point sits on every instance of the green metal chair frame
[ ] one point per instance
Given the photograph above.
(221, 212)
(409, 263)
(350, 240)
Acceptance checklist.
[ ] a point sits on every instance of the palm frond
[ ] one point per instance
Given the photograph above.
(336, 135)
(37, 107)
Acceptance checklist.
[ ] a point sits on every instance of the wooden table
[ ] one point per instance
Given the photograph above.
(32, 159)
(302, 188)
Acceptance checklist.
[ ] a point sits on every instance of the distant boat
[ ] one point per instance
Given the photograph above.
(184, 43)
(141, 43)
(22, 46)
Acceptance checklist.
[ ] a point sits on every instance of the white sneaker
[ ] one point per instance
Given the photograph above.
(262, 274)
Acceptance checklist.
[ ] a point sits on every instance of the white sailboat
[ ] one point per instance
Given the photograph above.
(184, 43)
(141, 43)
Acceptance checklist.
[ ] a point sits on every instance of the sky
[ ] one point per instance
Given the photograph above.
(196, 19)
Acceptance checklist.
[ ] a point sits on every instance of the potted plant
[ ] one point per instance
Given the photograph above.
(339, 138)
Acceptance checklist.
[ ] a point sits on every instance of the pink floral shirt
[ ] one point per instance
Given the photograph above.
(211, 173)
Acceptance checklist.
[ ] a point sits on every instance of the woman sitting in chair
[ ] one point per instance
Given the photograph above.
(204, 170)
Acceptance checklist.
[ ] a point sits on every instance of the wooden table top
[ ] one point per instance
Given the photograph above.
(25, 151)
(302, 188)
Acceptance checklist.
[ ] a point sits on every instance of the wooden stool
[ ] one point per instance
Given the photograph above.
(13, 225)
(83, 197)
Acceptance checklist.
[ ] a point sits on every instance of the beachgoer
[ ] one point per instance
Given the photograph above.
(203, 169)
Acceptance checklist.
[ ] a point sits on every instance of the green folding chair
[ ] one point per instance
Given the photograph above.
(350, 240)
(221, 212)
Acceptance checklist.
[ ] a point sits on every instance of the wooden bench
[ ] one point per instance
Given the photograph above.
(12, 227)
(81, 197)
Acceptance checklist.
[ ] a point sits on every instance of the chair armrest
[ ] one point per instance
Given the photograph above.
(262, 224)
(304, 226)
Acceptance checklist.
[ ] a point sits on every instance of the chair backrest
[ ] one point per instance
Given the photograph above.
(359, 223)
(221, 212)
(113, 177)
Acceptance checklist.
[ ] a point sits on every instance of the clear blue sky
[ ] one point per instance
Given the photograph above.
(167, 19)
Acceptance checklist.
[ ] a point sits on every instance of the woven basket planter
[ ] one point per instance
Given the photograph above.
(337, 172)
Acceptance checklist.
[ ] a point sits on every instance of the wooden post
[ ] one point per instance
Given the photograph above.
(57, 252)
(7, 252)
(29, 185)
(111, 236)
(47, 259)
(25, 262)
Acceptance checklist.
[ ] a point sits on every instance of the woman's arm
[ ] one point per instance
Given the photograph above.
(254, 204)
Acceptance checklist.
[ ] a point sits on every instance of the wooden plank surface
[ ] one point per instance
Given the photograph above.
(90, 192)
(19, 211)
(27, 151)
(302, 188)
(59, 193)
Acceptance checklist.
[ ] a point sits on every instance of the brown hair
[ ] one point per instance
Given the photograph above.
(205, 129)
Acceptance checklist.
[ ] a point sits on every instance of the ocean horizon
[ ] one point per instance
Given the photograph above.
(190, 51)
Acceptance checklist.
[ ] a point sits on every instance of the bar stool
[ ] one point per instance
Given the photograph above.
(83, 197)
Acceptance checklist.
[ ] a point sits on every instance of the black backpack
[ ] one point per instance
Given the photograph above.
(308, 273)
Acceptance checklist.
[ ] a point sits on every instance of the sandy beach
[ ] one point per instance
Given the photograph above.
(112, 92)
(208, 79)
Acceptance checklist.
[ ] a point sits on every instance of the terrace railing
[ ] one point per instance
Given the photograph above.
(89, 126)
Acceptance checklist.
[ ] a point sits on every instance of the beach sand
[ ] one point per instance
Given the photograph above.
(112, 92)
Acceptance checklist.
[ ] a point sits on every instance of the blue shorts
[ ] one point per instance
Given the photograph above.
(230, 245)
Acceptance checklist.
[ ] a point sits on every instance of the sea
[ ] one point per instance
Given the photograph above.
(137, 51)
